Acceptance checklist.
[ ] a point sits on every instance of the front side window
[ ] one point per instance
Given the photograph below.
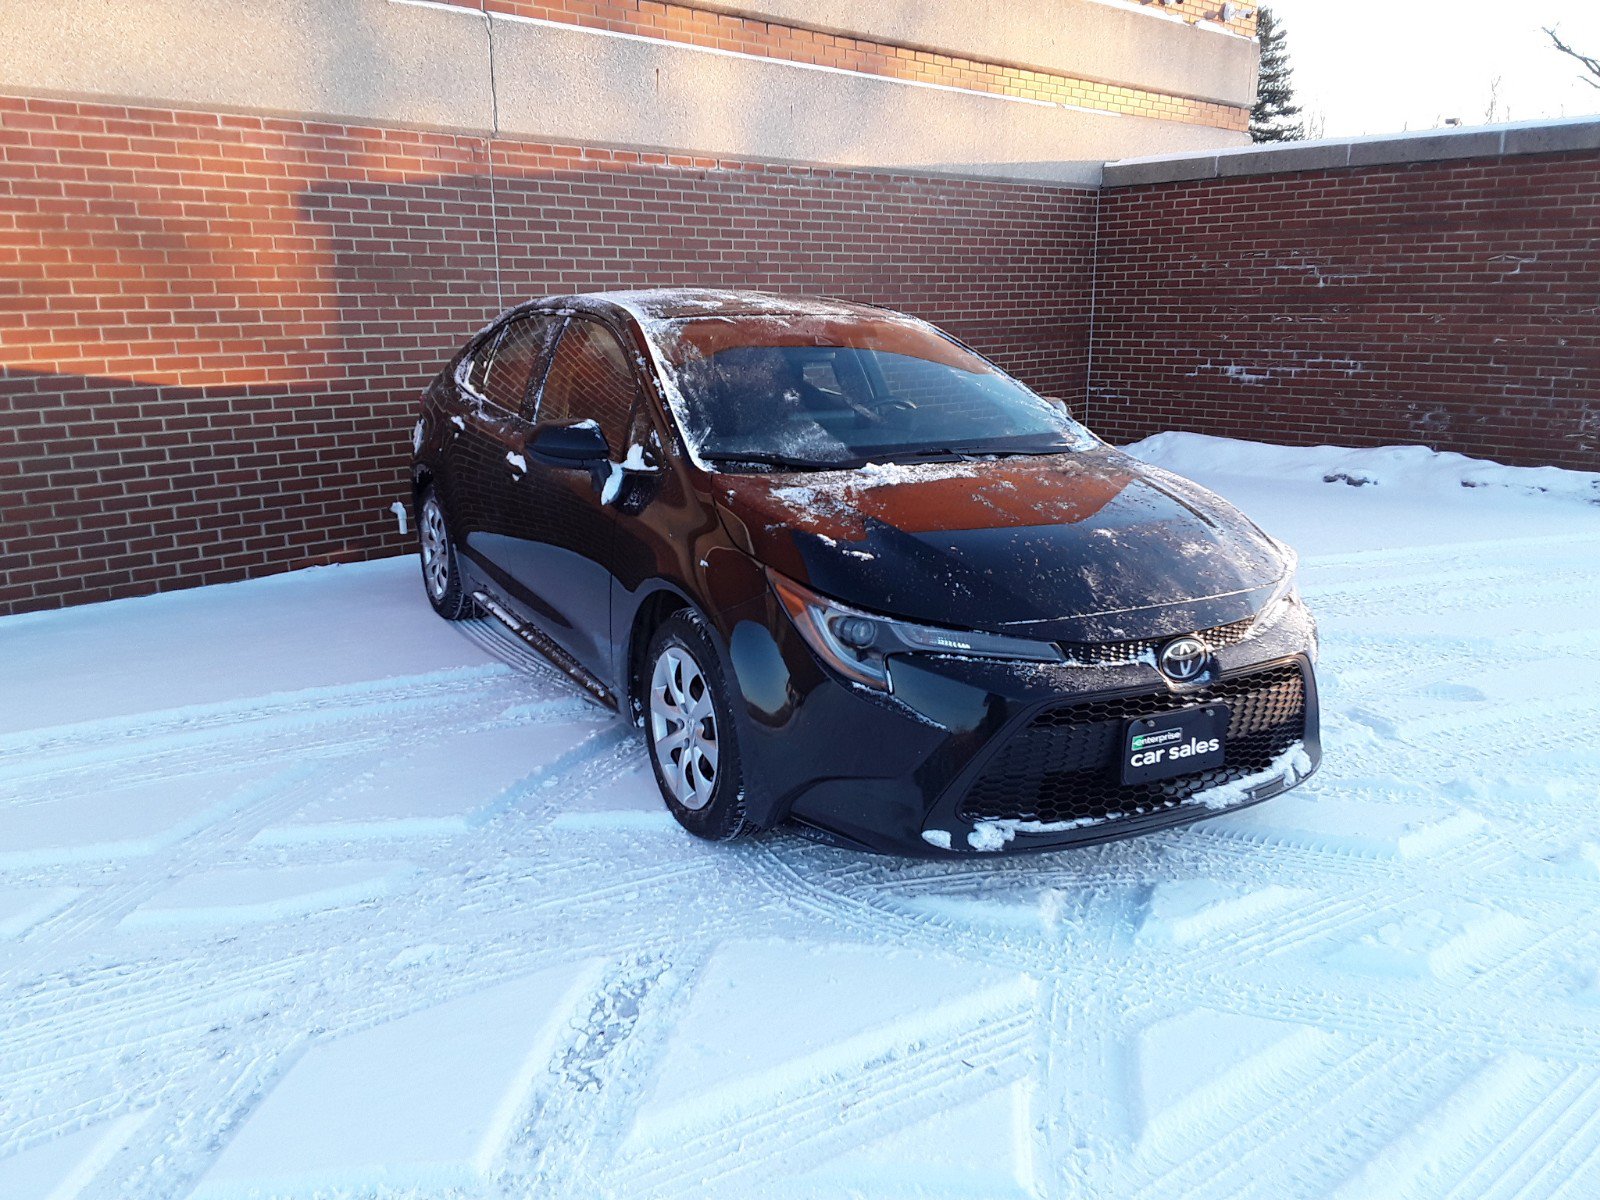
(515, 360)
(833, 391)
(591, 378)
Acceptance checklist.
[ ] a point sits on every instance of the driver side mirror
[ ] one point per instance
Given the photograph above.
(570, 445)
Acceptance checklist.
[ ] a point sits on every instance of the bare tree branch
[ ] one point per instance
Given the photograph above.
(1591, 65)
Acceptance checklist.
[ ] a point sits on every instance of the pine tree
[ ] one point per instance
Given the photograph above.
(1274, 117)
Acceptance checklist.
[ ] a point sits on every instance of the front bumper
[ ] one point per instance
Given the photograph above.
(972, 756)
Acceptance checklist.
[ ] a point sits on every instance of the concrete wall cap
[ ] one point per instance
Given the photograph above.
(1545, 139)
(1525, 137)
(1427, 148)
(1159, 171)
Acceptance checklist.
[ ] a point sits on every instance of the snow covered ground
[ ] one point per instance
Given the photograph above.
(304, 892)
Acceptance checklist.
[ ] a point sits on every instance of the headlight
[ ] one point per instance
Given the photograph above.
(1285, 595)
(857, 644)
(1285, 598)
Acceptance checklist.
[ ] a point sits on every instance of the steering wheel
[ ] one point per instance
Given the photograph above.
(879, 413)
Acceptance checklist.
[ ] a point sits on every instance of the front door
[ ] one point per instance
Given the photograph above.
(484, 452)
(562, 532)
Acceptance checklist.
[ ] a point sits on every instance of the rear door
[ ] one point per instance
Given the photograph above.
(562, 533)
(485, 455)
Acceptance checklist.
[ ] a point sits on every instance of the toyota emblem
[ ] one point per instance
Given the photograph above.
(1182, 659)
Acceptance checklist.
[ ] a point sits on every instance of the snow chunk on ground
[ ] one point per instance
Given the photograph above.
(1352, 825)
(1204, 1068)
(64, 1167)
(247, 895)
(760, 1029)
(123, 822)
(425, 1101)
(1444, 944)
(1582, 860)
(22, 908)
(982, 1149)
(1191, 910)
(441, 786)
(632, 802)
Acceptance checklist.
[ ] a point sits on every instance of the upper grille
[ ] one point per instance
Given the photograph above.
(1111, 654)
(1064, 765)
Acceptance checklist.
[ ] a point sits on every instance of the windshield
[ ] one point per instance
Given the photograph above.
(835, 391)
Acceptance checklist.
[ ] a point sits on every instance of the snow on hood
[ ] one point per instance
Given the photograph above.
(1083, 546)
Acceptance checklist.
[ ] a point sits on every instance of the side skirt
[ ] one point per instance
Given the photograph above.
(547, 648)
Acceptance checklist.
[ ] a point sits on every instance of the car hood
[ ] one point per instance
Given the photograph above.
(1087, 546)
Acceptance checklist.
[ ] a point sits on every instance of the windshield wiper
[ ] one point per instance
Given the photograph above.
(782, 460)
(968, 453)
(924, 452)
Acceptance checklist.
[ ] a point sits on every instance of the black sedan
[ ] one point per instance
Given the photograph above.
(848, 573)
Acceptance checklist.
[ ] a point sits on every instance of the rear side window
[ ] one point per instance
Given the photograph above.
(515, 360)
(591, 378)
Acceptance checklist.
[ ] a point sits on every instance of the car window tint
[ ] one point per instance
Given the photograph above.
(519, 357)
(818, 370)
(933, 388)
(590, 379)
(830, 390)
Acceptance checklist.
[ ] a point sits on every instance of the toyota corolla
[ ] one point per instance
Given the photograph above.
(849, 574)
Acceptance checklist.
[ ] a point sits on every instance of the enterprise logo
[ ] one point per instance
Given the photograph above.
(1166, 737)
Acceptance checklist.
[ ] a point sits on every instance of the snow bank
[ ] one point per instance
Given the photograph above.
(1413, 468)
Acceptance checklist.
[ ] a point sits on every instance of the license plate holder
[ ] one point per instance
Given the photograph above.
(1167, 744)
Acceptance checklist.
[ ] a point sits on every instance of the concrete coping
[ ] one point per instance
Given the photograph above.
(1528, 137)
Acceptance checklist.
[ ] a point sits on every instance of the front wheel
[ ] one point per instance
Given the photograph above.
(689, 727)
(441, 575)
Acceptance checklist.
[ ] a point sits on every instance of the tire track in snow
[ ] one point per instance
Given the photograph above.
(913, 1076)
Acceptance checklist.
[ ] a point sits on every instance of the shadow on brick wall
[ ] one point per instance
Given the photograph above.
(275, 356)
(114, 488)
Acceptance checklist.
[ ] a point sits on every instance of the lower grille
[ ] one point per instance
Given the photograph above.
(1064, 765)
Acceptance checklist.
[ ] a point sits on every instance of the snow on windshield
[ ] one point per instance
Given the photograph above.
(828, 386)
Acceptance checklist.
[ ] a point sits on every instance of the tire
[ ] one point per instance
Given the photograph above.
(684, 687)
(441, 575)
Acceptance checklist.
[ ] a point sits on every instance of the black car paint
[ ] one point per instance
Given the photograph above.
(584, 572)
(1085, 546)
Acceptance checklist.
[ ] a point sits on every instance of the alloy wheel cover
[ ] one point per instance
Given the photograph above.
(683, 728)
(435, 550)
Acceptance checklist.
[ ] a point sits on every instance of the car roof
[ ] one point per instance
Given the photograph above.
(667, 304)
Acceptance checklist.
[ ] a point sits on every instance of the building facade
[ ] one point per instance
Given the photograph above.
(236, 239)
(1036, 89)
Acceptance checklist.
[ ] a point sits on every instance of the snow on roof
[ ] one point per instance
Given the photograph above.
(666, 304)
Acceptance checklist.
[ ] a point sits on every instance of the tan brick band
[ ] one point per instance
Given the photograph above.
(687, 25)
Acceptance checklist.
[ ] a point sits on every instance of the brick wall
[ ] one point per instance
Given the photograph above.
(213, 329)
(1454, 304)
(690, 25)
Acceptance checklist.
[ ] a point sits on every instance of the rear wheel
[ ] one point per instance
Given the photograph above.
(690, 731)
(440, 575)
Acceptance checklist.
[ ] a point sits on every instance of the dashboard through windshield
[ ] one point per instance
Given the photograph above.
(836, 391)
